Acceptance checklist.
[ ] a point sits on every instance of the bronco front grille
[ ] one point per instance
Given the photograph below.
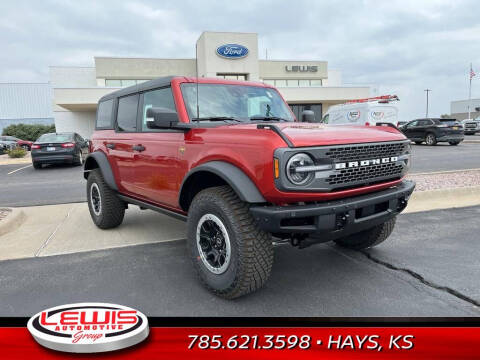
(371, 172)
(365, 174)
(362, 152)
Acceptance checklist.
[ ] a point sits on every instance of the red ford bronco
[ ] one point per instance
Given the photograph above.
(230, 159)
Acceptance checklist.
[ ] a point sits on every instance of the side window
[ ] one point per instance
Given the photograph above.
(412, 124)
(156, 98)
(127, 113)
(104, 114)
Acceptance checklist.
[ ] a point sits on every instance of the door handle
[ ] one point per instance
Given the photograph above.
(110, 146)
(138, 148)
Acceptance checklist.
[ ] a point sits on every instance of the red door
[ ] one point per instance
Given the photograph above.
(156, 176)
(120, 146)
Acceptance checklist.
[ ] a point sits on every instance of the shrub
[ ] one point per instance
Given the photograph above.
(27, 132)
(17, 152)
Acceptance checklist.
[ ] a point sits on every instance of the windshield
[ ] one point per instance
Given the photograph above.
(234, 101)
(55, 138)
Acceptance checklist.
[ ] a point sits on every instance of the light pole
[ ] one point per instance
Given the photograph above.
(427, 91)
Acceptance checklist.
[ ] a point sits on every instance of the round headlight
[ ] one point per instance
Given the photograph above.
(295, 162)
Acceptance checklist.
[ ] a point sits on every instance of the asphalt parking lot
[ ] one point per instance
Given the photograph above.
(24, 186)
(429, 267)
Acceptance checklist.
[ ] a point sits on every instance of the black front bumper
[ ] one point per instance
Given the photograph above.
(335, 219)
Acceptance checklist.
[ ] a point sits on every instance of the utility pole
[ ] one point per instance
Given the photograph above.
(427, 91)
(470, 91)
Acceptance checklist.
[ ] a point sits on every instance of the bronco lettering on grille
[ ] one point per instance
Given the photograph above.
(355, 164)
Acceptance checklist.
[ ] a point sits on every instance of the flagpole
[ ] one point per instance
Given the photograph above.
(470, 91)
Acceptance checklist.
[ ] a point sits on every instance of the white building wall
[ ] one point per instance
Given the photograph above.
(334, 78)
(69, 76)
(461, 106)
(209, 63)
(82, 122)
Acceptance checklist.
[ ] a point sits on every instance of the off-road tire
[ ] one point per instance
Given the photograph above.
(431, 139)
(251, 257)
(112, 209)
(37, 165)
(368, 238)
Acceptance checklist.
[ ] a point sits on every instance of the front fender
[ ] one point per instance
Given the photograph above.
(233, 176)
(99, 160)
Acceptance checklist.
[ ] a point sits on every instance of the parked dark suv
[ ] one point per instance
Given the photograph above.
(433, 131)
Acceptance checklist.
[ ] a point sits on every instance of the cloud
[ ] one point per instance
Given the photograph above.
(399, 46)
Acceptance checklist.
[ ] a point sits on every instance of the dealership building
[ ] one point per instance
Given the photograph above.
(459, 109)
(304, 84)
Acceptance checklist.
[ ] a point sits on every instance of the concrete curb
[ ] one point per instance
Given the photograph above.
(471, 142)
(443, 199)
(12, 221)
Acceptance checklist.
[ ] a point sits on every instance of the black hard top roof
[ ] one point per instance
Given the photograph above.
(147, 85)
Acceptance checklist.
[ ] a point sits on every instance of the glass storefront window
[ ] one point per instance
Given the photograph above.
(113, 83)
(292, 83)
(316, 82)
(297, 109)
(304, 82)
(281, 83)
(128, 82)
(269, 82)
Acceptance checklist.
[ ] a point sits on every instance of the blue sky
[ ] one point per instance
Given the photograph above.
(403, 47)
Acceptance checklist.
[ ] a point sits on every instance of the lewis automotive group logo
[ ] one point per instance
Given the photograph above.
(88, 327)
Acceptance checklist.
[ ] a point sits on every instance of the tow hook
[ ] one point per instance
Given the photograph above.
(341, 220)
(297, 240)
(402, 204)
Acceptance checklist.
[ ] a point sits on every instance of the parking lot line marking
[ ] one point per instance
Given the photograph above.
(14, 171)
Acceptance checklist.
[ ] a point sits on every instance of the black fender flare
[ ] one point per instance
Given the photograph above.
(243, 186)
(101, 160)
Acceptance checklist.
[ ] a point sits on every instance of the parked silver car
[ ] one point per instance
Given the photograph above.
(6, 143)
(471, 126)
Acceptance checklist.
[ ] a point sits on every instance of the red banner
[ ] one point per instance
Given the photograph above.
(273, 343)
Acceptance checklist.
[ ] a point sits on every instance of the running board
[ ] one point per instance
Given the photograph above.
(153, 207)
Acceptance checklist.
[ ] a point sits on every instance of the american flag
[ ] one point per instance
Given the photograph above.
(472, 73)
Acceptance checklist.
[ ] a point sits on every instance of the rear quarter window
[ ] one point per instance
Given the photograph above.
(104, 115)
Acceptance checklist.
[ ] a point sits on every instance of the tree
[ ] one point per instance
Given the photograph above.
(28, 132)
(446, 116)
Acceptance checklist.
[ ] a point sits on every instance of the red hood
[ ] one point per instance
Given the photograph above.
(308, 134)
(305, 134)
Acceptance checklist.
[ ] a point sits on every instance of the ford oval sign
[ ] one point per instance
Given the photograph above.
(232, 51)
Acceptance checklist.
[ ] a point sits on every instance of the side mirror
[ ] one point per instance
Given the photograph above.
(308, 116)
(161, 118)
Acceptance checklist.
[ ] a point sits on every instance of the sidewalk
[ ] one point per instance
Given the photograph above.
(68, 228)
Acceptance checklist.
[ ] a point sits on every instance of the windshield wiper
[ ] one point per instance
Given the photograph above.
(216, 118)
(267, 118)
